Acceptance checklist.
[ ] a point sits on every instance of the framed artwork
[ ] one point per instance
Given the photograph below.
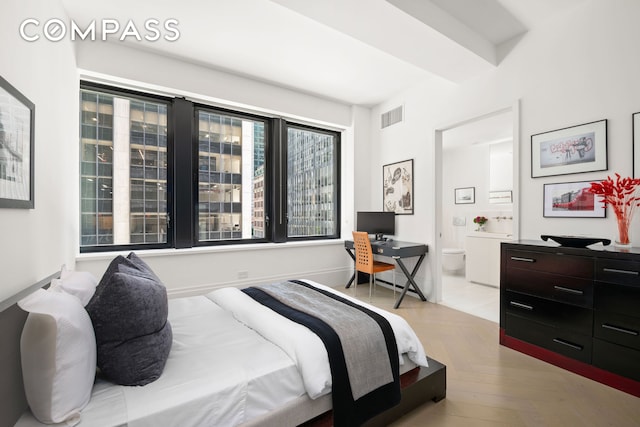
(397, 187)
(16, 148)
(464, 195)
(575, 149)
(635, 126)
(500, 196)
(572, 200)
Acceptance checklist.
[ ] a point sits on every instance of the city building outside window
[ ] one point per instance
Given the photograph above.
(231, 164)
(123, 170)
(311, 182)
(135, 170)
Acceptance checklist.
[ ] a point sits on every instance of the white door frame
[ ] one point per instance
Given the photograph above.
(436, 255)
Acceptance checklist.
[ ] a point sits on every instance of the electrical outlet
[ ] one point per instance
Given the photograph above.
(243, 274)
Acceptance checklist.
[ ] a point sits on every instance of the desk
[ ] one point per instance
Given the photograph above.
(397, 250)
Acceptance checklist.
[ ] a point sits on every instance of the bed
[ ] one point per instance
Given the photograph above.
(224, 370)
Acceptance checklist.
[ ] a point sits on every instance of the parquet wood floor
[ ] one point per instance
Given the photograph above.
(491, 385)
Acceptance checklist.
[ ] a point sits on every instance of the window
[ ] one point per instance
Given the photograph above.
(167, 172)
(311, 173)
(230, 177)
(123, 171)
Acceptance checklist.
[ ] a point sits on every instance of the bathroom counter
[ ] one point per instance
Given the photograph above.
(490, 235)
(483, 257)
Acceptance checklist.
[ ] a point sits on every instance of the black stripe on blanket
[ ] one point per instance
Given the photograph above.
(346, 411)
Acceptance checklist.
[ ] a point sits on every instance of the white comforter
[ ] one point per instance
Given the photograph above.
(307, 350)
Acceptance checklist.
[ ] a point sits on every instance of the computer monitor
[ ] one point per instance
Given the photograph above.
(378, 223)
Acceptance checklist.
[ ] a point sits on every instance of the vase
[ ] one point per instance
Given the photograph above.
(623, 240)
(480, 227)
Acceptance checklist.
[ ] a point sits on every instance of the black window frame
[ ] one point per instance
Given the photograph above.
(336, 174)
(182, 187)
(195, 162)
(143, 96)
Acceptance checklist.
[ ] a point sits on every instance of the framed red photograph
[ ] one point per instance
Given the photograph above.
(572, 200)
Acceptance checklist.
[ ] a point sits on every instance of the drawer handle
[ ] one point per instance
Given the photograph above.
(568, 344)
(517, 258)
(568, 290)
(615, 270)
(520, 305)
(619, 329)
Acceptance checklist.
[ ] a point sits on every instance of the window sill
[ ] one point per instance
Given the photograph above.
(210, 249)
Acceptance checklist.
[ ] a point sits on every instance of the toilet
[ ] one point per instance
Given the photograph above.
(452, 259)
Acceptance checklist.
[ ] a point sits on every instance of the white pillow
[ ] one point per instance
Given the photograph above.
(58, 352)
(81, 284)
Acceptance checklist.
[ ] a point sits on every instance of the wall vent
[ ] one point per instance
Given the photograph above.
(391, 117)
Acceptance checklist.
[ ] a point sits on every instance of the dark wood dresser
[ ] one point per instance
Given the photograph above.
(576, 308)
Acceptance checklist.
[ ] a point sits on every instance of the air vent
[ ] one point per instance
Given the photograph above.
(391, 117)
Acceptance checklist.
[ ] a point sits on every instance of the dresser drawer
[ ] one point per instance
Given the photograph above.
(571, 290)
(566, 265)
(617, 359)
(551, 313)
(570, 344)
(617, 298)
(617, 328)
(618, 271)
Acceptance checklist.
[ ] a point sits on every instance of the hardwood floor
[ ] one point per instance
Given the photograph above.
(491, 385)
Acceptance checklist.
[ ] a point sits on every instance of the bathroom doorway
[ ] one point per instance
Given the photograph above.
(477, 178)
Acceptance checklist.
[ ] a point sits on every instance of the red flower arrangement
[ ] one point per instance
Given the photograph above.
(621, 196)
(480, 220)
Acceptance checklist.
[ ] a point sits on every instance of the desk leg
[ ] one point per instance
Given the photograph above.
(410, 280)
(353, 277)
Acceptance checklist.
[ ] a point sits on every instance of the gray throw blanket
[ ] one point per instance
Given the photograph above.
(365, 351)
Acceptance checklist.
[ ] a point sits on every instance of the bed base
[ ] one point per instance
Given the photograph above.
(419, 386)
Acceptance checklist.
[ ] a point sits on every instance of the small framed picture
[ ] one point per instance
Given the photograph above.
(397, 187)
(572, 200)
(575, 149)
(466, 195)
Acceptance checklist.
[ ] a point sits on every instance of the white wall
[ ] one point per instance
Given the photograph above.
(35, 243)
(196, 271)
(199, 269)
(474, 161)
(577, 68)
(116, 63)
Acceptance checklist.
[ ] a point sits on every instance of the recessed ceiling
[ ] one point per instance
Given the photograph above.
(354, 51)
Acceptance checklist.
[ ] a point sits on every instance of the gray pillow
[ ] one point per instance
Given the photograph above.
(129, 315)
(136, 263)
(132, 264)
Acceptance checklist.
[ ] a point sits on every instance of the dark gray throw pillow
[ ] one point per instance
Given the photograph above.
(129, 315)
(139, 265)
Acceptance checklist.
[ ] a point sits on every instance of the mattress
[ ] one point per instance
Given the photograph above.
(219, 372)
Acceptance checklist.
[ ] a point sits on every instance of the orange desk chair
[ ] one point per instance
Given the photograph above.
(366, 264)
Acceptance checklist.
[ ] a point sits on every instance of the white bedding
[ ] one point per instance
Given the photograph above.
(307, 350)
(219, 372)
(223, 373)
